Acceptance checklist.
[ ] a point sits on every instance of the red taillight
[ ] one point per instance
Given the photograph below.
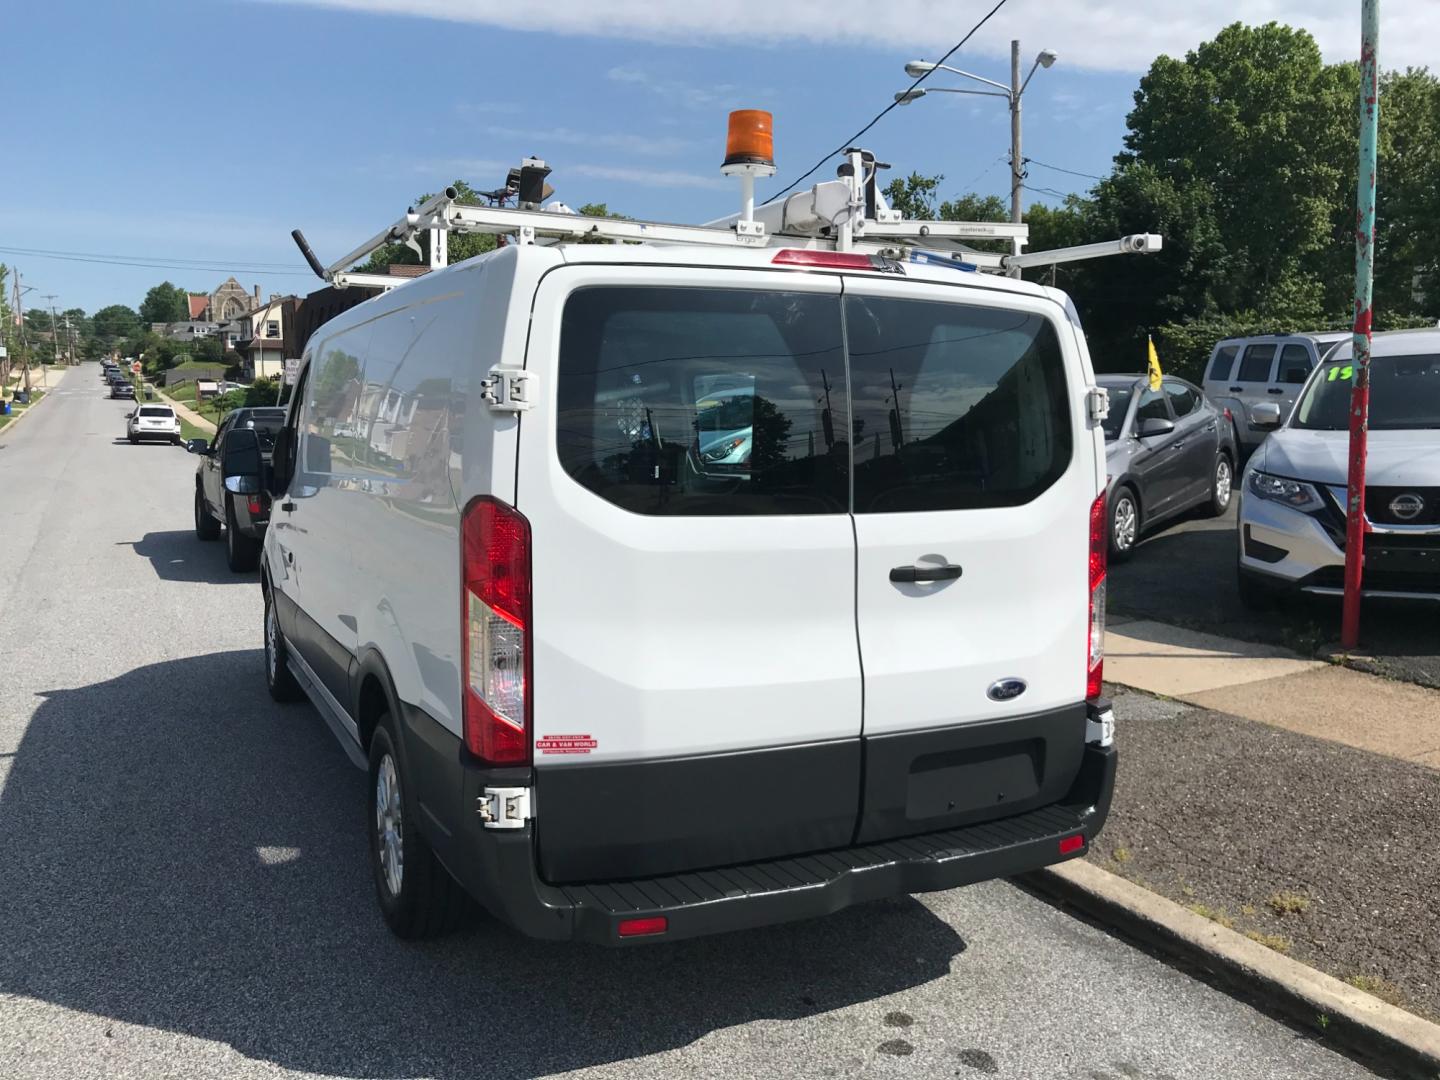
(1229, 415)
(254, 505)
(1095, 650)
(642, 927)
(1072, 843)
(827, 260)
(495, 630)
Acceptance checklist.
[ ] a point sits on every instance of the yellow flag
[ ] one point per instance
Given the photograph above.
(1154, 366)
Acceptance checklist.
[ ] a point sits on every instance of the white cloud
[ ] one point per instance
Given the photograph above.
(630, 144)
(691, 95)
(649, 177)
(1112, 35)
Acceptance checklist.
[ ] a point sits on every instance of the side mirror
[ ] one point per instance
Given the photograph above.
(129, 416)
(1154, 427)
(241, 461)
(197, 446)
(1265, 416)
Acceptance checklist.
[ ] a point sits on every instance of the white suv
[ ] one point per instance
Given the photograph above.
(623, 687)
(153, 422)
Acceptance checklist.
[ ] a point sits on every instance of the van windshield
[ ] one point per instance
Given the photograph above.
(1404, 395)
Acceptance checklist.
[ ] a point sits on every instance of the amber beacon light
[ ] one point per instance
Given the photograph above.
(749, 152)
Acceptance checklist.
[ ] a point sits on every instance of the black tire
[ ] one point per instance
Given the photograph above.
(241, 552)
(206, 527)
(133, 440)
(278, 678)
(1124, 514)
(422, 900)
(1222, 485)
(1256, 594)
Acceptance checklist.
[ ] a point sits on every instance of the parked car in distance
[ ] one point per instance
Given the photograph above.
(516, 627)
(122, 388)
(1265, 369)
(1166, 451)
(238, 502)
(153, 422)
(1292, 522)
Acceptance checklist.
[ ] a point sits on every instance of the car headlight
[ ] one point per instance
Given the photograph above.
(1295, 494)
(721, 450)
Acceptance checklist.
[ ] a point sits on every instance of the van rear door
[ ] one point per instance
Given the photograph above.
(685, 472)
(974, 475)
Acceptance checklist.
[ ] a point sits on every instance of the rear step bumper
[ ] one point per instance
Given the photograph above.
(784, 889)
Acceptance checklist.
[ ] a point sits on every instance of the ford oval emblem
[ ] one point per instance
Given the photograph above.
(1407, 507)
(1006, 689)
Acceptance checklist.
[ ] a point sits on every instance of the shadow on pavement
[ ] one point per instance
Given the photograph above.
(179, 852)
(182, 556)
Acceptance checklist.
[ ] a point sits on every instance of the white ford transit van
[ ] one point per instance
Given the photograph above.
(670, 590)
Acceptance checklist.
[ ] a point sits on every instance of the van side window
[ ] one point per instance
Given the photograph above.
(1295, 364)
(686, 401)
(956, 407)
(1182, 399)
(1256, 365)
(1223, 363)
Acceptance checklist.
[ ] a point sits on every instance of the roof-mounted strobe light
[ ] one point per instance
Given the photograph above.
(749, 152)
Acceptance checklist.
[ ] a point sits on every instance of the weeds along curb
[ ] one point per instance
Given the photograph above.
(1340, 1014)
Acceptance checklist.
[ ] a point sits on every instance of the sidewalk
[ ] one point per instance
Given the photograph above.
(1289, 798)
(185, 411)
(45, 387)
(1274, 686)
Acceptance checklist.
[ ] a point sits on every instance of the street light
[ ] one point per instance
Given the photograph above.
(1012, 93)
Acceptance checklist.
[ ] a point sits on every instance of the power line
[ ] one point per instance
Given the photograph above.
(1046, 191)
(272, 269)
(1057, 168)
(878, 116)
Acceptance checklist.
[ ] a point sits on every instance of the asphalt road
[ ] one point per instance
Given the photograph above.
(1185, 574)
(184, 893)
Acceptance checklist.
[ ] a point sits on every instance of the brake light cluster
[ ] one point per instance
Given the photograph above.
(495, 620)
(1099, 548)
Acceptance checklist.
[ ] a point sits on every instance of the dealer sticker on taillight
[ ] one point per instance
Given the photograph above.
(565, 744)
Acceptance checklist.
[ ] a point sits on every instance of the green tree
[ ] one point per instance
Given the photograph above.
(164, 303)
(914, 196)
(460, 246)
(114, 322)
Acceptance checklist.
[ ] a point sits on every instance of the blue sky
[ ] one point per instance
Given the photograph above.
(205, 131)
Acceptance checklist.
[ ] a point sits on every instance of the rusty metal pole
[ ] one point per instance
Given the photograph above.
(1364, 286)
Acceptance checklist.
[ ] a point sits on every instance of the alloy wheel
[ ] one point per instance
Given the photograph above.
(1223, 480)
(389, 823)
(1126, 523)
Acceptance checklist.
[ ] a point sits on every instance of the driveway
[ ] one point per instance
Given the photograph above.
(1185, 574)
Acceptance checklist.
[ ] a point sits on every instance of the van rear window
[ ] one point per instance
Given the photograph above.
(705, 401)
(956, 407)
(685, 401)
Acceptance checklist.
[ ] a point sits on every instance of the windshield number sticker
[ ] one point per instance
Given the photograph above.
(1347, 373)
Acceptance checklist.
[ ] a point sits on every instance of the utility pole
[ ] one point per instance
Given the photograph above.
(1364, 289)
(1017, 163)
(24, 341)
(54, 340)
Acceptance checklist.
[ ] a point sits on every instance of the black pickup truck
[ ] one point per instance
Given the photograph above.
(238, 502)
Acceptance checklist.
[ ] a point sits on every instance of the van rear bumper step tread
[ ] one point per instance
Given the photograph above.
(780, 890)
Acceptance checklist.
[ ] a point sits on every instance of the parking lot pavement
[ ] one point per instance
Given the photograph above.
(1185, 574)
(185, 891)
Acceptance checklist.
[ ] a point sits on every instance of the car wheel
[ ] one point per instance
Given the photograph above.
(279, 680)
(1222, 484)
(133, 440)
(241, 552)
(417, 895)
(1124, 524)
(206, 527)
(1256, 594)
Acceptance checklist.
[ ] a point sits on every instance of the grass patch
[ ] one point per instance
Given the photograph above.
(1282, 945)
(1215, 915)
(1121, 855)
(189, 431)
(5, 420)
(1375, 986)
(1248, 910)
(1288, 903)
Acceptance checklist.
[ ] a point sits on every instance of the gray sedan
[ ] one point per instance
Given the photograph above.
(1166, 451)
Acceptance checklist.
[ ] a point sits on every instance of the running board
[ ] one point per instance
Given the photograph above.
(341, 726)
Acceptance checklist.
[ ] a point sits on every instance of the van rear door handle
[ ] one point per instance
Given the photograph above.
(948, 572)
(287, 506)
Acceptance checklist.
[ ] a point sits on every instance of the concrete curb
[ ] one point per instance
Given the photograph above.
(1356, 1020)
(17, 417)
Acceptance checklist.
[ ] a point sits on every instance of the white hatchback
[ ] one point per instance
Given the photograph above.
(153, 422)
